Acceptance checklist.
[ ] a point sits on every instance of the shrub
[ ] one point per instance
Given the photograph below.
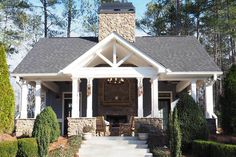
(175, 135)
(7, 103)
(8, 148)
(193, 124)
(213, 149)
(229, 102)
(46, 130)
(27, 147)
(74, 143)
(160, 152)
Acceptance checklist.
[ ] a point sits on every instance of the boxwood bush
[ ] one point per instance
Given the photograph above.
(8, 148)
(27, 147)
(213, 149)
(46, 129)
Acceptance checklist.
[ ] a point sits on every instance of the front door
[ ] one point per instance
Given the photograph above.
(67, 111)
(164, 108)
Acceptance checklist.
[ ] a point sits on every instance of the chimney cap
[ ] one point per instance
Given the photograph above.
(117, 7)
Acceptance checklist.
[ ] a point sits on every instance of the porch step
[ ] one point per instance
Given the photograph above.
(114, 146)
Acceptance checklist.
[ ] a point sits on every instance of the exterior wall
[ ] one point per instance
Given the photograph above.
(76, 125)
(55, 101)
(24, 127)
(121, 23)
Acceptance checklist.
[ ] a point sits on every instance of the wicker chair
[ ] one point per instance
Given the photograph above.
(127, 128)
(100, 125)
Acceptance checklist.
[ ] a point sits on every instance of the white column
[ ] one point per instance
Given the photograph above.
(194, 90)
(155, 108)
(209, 100)
(89, 97)
(75, 97)
(24, 100)
(140, 96)
(37, 98)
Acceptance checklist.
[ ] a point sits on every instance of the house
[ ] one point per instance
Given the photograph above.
(116, 75)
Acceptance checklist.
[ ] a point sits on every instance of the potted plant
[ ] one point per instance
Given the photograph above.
(87, 132)
(143, 132)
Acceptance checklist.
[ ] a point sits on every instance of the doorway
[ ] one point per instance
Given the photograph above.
(67, 101)
(165, 99)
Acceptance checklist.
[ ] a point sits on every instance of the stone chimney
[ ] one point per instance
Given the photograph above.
(117, 17)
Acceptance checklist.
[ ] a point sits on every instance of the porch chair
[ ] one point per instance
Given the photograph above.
(127, 128)
(100, 125)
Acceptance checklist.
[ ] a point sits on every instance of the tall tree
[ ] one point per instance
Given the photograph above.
(46, 5)
(70, 12)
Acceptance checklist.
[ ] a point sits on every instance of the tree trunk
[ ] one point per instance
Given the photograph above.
(69, 17)
(45, 18)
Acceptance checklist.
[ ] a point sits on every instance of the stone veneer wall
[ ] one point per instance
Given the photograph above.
(121, 23)
(24, 127)
(75, 125)
(155, 124)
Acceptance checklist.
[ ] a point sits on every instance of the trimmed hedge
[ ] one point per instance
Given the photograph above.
(7, 104)
(27, 147)
(213, 149)
(8, 148)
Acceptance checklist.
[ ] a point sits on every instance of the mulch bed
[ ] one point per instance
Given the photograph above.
(61, 142)
(7, 137)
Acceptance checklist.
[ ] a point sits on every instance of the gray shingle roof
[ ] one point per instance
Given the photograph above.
(178, 54)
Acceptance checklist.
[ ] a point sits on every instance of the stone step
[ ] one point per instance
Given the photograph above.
(114, 147)
(106, 141)
(116, 154)
(138, 146)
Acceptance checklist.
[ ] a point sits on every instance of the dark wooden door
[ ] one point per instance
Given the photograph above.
(67, 113)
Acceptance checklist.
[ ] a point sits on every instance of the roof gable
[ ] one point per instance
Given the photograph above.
(113, 37)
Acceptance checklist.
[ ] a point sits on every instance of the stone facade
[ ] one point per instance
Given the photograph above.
(24, 127)
(76, 125)
(155, 125)
(121, 23)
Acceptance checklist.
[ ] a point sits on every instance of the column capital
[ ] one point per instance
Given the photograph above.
(209, 82)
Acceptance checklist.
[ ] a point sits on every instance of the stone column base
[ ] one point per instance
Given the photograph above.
(24, 127)
(76, 125)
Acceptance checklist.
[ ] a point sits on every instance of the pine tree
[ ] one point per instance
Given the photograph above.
(6, 96)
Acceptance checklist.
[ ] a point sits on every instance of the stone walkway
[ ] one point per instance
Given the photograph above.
(114, 146)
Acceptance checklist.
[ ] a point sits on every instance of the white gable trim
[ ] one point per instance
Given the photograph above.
(79, 62)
